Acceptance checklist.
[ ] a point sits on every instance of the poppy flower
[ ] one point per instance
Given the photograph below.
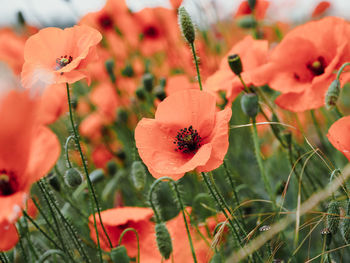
(187, 133)
(321, 8)
(54, 55)
(303, 65)
(177, 83)
(27, 152)
(253, 54)
(259, 10)
(337, 135)
(116, 220)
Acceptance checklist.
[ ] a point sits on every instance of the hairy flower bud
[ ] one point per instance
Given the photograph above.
(138, 175)
(109, 64)
(186, 25)
(332, 94)
(159, 92)
(54, 182)
(251, 4)
(345, 226)
(250, 104)
(119, 255)
(141, 93)
(217, 258)
(333, 216)
(235, 64)
(163, 238)
(247, 22)
(147, 80)
(73, 178)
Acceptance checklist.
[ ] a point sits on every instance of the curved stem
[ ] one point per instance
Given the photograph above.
(181, 206)
(137, 238)
(50, 253)
(94, 202)
(197, 67)
(66, 149)
(340, 71)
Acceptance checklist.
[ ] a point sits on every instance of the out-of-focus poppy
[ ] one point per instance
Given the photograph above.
(303, 65)
(259, 10)
(187, 133)
(54, 55)
(177, 83)
(253, 54)
(321, 8)
(337, 135)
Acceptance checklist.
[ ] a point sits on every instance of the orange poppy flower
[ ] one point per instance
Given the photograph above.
(116, 220)
(176, 3)
(27, 152)
(177, 83)
(54, 55)
(254, 54)
(260, 9)
(302, 66)
(337, 135)
(187, 133)
(321, 8)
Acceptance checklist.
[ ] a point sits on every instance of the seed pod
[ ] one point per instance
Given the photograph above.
(147, 80)
(333, 216)
(345, 226)
(235, 63)
(198, 210)
(96, 176)
(73, 178)
(217, 258)
(122, 115)
(54, 182)
(119, 255)
(163, 238)
(250, 104)
(20, 18)
(247, 22)
(140, 93)
(128, 71)
(186, 25)
(159, 92)
(332, 94)
(138, 175)
(112, 168)
(109, 64)
(251, 4)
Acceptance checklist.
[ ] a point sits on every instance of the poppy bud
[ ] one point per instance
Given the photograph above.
(200, 204)
(109, 64)
(121, 154)
(217, 258)
(159, 92)
(163, 238)
(73, 178)
(332, 94)
(140, 93)
(20, 18)
(119, 255)
(138, 175)
(247, 22)
(250, 104)
(235, 64)
(162, 82)
(251, 4)
(333, 216)
(122, 115)
(112, 168)
(96, 176)
(54, 182)
(186, 25)
(128, 71)
(345, 227)
(147, 80)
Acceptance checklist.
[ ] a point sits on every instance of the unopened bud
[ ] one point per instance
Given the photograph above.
(333, 216)
(251, 4)
(122, 115)
(119, 255)
(20, 18)
(147, 80)
(73, 178)
(112, 168)
(54, 182)
(186, 25)
(163, 238)
(159, 92)
(247, 22)
(250, 104)
(96, 176)
(121, 154)
(109, 64)
(140, 93)
(128, 71)
(345, 226)
(332, 94)
(138, 175)
(217, 258)
(162, 82)
(235, 64)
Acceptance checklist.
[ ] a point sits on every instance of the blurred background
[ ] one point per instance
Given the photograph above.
(62, 13)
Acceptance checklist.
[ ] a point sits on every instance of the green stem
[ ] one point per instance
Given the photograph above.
(181, 206)
(29, 242)
(197, 67)
(341, 69)
(318, 129)
(94, 202)
(338, 112)
(50, 253)
(246, 89)
(260, 163)
(4, 258)
(137, 238)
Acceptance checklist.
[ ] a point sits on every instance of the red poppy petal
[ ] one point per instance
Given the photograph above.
(337, 135)
(9, 236)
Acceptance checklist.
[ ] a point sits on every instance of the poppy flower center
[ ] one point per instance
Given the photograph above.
(7, 183)
(63, 61)
(151, 32)
(317, 67)
(188, 140)
(105, 21)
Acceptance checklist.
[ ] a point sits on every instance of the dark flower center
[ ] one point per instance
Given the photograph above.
(8, 184)
(151, 32)
(187, 140)
(105, 21)
(317, 67)
(63, 61)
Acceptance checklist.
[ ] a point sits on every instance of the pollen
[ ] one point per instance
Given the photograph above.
(63, 61)
(317, 67)
(187, 140)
